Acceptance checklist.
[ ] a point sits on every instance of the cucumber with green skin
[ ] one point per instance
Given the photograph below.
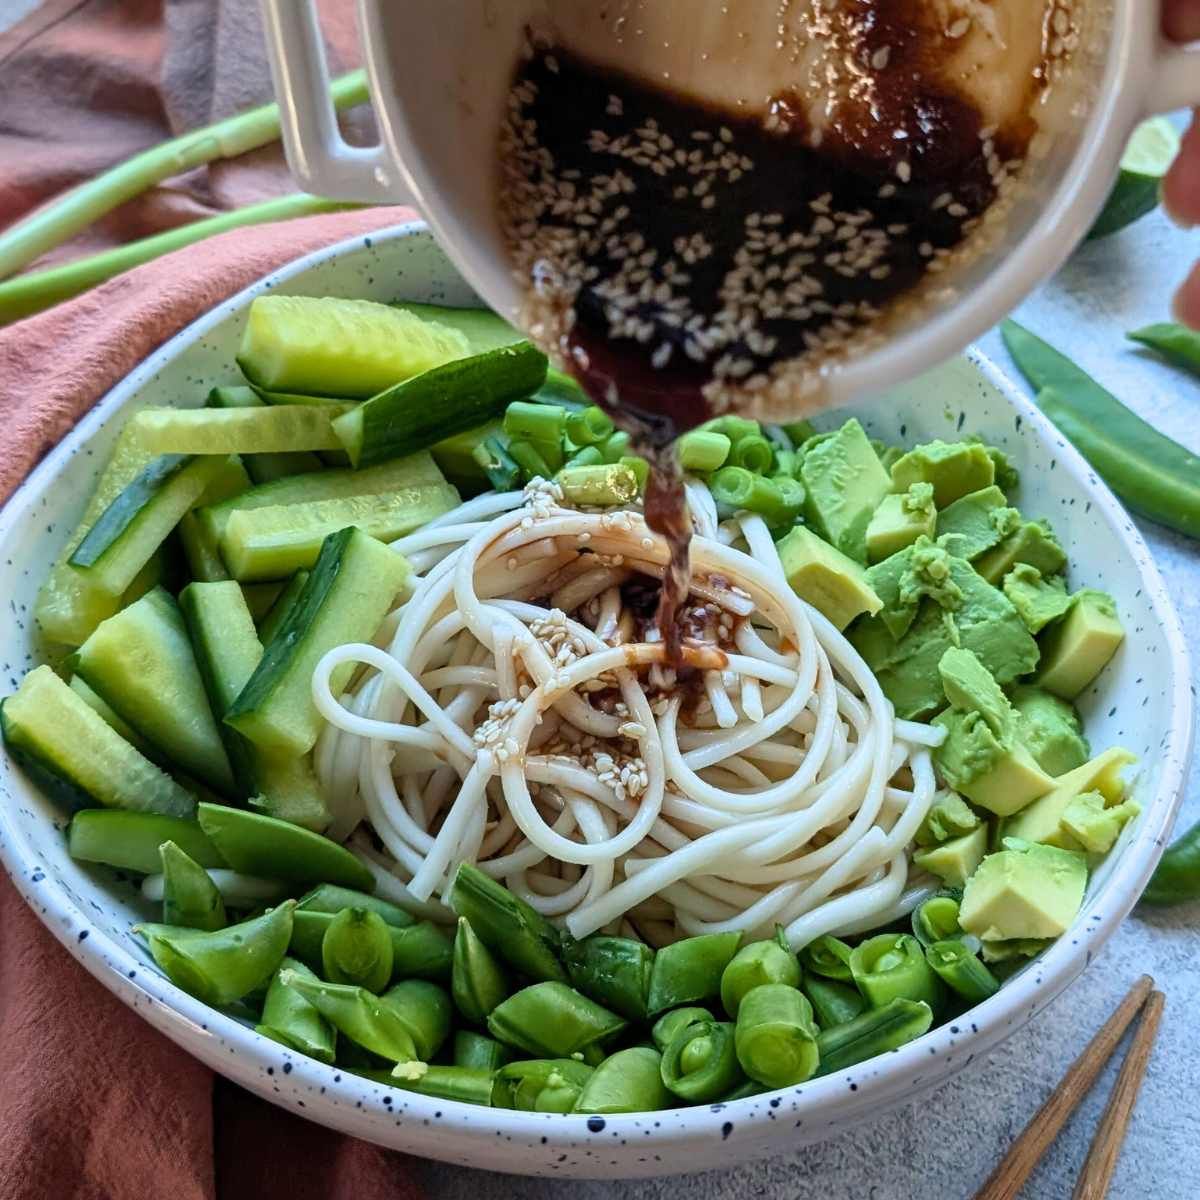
(270, 624)
(351, 589)
(242, 430)
(263, 468)
(199, 545)
(78, 756)
(129, 841)
(418, 470)
(483, 329)
(227, 651)
(276, 542)
(332, 347)
(260, 598)
(431, 407)
(97, 703)
(141, 518)
(142, 664)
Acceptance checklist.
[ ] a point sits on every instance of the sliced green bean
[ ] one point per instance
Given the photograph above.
(616, 446)
(874, 1032)
(475, 1050)
(613, 971)
(828, 956)
(508, 926)
(754, 965)
(1175, 343)
(962, 971)
(689, 971)
(701, 1065)
(357, 948)
(936, 920)
(629, 1081)
(663, 1030)
(288, 1018)
(544, 1085)
(190, 898)
(528, 456)
(329, 898)
(503, 471)
(535, 422)
(834, 1002)
(702, 451)
(477, 981)
(420, 950)
(776, 1036)
(753, 452)
(589, 456)
(892, 965)
(222, 965)
(467, 1085)
(552, 1020)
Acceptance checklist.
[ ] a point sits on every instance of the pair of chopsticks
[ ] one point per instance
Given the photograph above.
(1026, 1152)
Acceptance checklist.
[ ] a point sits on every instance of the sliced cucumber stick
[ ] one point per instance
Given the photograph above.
(482, 328)
(99, 705)
(351, 589)
(48, 727)
(446, 400)
(270, 624)
(139, 520)
(224, 431)
(276, 542)
(260, 598)
(263, 468)
(141, 662)
(418, 470)
(332, 347)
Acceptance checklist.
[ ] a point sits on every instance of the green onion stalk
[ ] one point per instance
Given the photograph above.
(600, 486)
(892, 965)
(776, 1036)
(739, 490)
(588, 426)
(502, 470)
(288, 1018)
(535, 422)
(702, 451)
(754, 453)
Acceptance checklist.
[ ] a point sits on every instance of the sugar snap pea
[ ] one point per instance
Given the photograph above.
(834, 1002)
(357, 948)
(190, 898)
(754, 965)
(222, 965)
(689, 971)
(961, 970)
(288, 1018)
(669, 1024)
(552, 1019)
(1177, 878)
(628, 1081)
(1176, 343)
(329, 898)
(892, 965)
(613, 971)
(701, 1064)
(419, 951)
(468, 1085)
(130, 840)
(476, 1050)
(874, 1032)
(775, 1036)
(546, 1085)
(827, 956)
(1155, 476)
(477, 981)
(936, 919)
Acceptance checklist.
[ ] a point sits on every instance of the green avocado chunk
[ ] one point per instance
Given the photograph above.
(906, 577)
(1051, 730)
(949, 817)
(1033, 543)
(1024, 891)
(982, 755)
(955, 861)
(899, 520)
(961, 610)
(1042, 821)
(1039, 600)
(954, 469)
(833, 583)
(1077, 650)
(1093, 824)
(844, 483)
(976, 522)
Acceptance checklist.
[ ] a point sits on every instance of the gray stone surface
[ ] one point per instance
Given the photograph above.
(943, 1146)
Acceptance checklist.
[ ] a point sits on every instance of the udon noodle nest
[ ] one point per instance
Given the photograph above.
(518, 712)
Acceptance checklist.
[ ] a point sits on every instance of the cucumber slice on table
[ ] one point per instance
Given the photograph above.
(263, 467)
(77, 755)
(139, 520)
(228, 650)
(130, 840)
(331, 347)
(483, 329)
(350, 591)
(261, 430)
(276, 542)
(418, 470)
(141, 662)
(420, 412)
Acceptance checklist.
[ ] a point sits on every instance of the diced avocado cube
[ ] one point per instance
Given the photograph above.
(970, 687)
(976, 522)
(954, 469)
(1034, 543)
(976, 617)
(845, 482)
(1039, 600)
(1094, 825)
(1076, 651)
(1007, 476)
(834, 584)
(955, 861)
(949, 817)
(1042, 820)
(902, 580)
(899, 520)
(1050, 729)
(991, 770)
(1031, 892)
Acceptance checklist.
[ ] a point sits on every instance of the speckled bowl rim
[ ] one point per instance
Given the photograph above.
(372, 1111)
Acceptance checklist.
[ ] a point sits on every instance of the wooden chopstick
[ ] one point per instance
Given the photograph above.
(1024, 1154)
(1105, 1149)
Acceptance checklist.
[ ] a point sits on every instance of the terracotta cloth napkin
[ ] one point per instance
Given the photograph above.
(94, 1104)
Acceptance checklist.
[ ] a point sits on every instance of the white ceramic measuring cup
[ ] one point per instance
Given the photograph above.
(439, 73)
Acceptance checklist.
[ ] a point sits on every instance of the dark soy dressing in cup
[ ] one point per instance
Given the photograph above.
(685, 262)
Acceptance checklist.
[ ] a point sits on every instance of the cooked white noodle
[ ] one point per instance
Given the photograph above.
(520, 713)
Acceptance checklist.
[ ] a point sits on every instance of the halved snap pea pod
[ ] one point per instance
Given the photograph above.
(357, 948)
(288, 1018)
(629, 1081)
(552, 1019)
(776, 1037)
(548, 1085)
(477, 981)
(190, 898)
(701, 1065)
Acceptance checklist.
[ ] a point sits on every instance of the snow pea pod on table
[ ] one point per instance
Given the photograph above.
(1176, 343)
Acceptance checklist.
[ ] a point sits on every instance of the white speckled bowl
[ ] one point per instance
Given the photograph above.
(1143, 701)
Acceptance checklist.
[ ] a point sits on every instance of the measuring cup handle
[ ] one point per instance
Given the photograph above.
(320, 159)
(1176, 82)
